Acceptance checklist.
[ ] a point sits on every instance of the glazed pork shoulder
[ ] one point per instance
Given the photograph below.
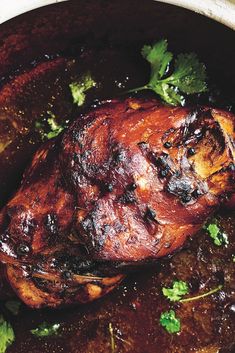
(126, 184)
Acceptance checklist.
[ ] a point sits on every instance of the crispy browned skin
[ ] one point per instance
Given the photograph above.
(126, 184)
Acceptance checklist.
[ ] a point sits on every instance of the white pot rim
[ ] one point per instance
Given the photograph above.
(220, 10)
(12, 8)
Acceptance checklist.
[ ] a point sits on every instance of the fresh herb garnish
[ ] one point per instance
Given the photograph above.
(112, 341)
(218, 236)
(181, 288)
(13, 306)
(116, 337)
(7, 335)
(50, 128)
(188, 76)
(79, 88)
(175, 293)
(217, 289)
(56, 129)
(170, 322)
(45, 330)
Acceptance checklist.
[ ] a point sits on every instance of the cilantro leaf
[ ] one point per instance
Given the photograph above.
(7, 335)
(169, 94)
(158, 57)
(188, 76)
(214, 231)
(13, 306)
(218, 236)
(170, 322)
(175, 293)
(56, 129)
(45, 330)
(79, 88)
(49, 128)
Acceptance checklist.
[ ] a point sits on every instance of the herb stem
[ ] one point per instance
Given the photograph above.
(202, 295)
(138, 89)
(112, 342)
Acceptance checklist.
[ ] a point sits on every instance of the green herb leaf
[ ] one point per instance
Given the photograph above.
(50, 128)
(188, 76)
(13, 306)
(170, 322)
(7, 335)
(56, 129)
(79, 88)
(45, 330)
(218, 236)
(158, 57)
(175, 293)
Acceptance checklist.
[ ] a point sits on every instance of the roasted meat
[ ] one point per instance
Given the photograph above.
(127, 183)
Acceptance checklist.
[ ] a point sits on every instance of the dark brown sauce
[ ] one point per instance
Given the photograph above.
(133, 310)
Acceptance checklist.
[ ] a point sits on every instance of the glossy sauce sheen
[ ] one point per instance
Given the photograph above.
(133, 310)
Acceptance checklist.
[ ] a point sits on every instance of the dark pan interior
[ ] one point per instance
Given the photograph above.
(56, 28)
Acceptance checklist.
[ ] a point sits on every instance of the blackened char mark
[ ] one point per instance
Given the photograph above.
(161, 161)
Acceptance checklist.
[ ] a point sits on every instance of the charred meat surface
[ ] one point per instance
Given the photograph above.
(127, 183)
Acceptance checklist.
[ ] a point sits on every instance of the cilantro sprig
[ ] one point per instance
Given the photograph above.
(170, 322)
(45, 330)
(188, 76)
(79, 88)
(7, 335)
(50, 128)
(217, 235)
(179, 289)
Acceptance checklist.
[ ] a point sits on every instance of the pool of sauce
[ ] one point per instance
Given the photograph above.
(41, 89)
